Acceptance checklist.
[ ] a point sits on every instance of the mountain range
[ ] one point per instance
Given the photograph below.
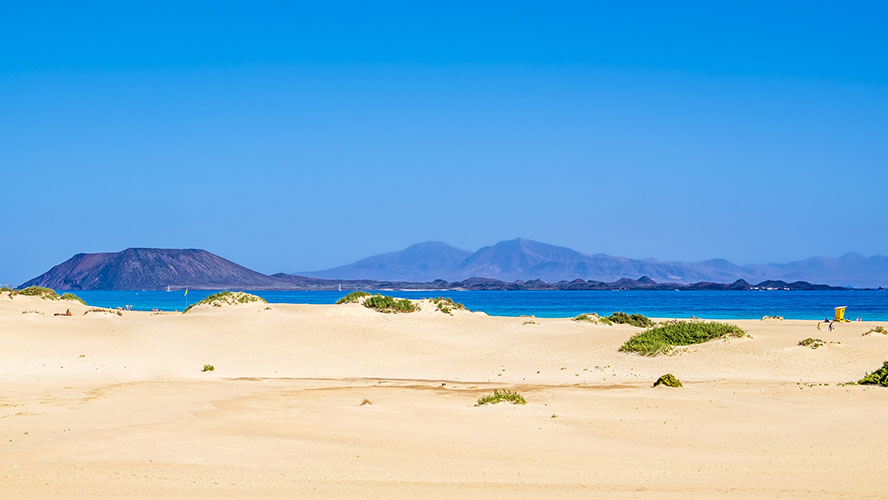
(523, 259)
(513, 264)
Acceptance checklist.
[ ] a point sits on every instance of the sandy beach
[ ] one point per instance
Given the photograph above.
(340, 401)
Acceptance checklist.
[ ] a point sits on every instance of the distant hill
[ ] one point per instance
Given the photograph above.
(149, 269)
(851, 269)
(420, 262)
(523, 259)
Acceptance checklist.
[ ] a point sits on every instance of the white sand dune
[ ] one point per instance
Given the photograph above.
(107, 406)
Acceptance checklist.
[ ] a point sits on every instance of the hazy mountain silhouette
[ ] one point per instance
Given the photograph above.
(419, 262)
(523, 259)
(851, 269)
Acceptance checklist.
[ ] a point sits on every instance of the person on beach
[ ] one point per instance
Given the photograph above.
(830, 326)
(818, 325)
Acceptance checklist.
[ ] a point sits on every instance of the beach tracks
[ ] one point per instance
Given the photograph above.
(313, 437)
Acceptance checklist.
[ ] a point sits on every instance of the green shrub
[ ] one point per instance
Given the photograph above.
(227, 298)
(71, 296)
(386, 304)
(352, 297)
(208, 368)
(5, 289)
(812, 343)
(593, 318)
(638, 320)
(38, 291)
(446, 305)
(878, 377)
(499, 396)
(668, 380)
(662, 339)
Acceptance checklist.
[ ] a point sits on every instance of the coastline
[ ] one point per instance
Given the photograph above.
(811, 305)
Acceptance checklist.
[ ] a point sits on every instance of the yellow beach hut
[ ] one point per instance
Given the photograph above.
(840, 315)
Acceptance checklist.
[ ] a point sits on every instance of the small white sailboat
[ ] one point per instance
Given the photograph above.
(340, 287)
(169, 289)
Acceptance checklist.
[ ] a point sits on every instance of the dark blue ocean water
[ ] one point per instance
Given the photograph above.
(869, 305)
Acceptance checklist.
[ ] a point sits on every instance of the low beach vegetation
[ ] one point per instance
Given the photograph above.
(878, 377)
(446, 305)
(638, 320)
(208, 368)
(812, 343)
(593, 318)
(103, 310)
(6, 289)
(71, 296)
(877, 329)
(500, 396)
(226, 298)
(386, 304)
(37, 291)
(668, 380)
(352, 297)
(662, 339)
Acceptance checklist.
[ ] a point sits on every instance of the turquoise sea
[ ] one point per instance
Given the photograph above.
(869, 305)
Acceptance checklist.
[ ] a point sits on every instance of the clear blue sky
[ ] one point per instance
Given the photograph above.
(297, 137)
